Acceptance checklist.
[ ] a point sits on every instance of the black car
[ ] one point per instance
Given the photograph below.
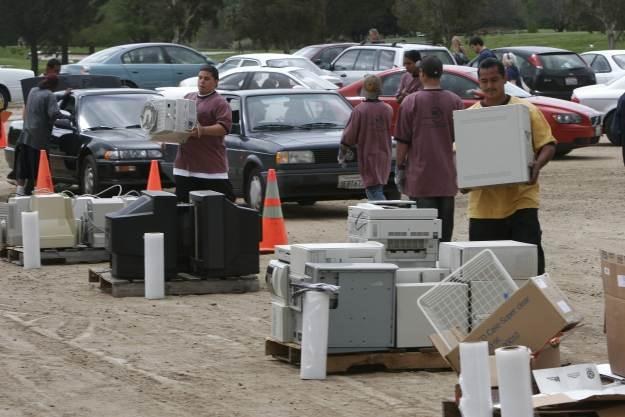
(103, 145)
(550, 72)
(322, 55)
(296, 132)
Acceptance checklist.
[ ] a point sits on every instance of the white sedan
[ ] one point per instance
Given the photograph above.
(10, 87)
(253, 78)
(603, 98)
(277, 61)
(607, 65)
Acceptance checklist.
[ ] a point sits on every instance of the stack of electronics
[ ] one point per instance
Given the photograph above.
(64, 222)
(392, 259)
(209, 237)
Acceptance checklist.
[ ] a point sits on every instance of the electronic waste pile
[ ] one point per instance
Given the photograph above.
(393, 257)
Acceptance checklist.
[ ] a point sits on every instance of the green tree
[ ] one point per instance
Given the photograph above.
(610, 14)
(440, 19)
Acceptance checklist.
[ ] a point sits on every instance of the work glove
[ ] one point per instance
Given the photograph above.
(400, 178)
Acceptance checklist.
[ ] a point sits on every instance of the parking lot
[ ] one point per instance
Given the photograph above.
(69, 350)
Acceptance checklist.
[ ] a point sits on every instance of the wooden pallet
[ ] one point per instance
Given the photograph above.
(395, 360)
(183, 284)
(70, 256)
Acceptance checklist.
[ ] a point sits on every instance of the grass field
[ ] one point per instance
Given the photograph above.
(574, 41)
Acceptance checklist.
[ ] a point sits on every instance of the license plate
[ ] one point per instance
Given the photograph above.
(352, 182)
(570, 81)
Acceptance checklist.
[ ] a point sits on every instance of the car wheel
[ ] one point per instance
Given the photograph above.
(607, 124)
(89, 183)
(4, 99)
(254, 189)
(306, 202)
(560, 153)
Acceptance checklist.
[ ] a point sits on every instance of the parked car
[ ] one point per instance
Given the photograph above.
(104, 146)
(607, 65)
(550, 72)
(10, 87)
(143, 65)
(296, 132)
(356, 62)
(322, 55)
(254, 78)
(572, 124)
(603, 98)
(277, 61)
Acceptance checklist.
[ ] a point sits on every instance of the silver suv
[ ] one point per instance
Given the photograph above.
(358, 61)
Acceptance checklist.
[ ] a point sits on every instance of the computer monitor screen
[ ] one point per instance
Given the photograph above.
(226, 236)
(153, 212)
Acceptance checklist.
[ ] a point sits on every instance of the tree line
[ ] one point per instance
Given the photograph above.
(287, 24)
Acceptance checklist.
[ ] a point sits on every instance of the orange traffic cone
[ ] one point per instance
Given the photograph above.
(154, 179)
(44, 178)
(274, 231)
(4, 116)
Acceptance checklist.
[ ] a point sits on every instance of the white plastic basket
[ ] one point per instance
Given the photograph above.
(453, 313)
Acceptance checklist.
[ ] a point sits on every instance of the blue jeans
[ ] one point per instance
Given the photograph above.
(375, 192)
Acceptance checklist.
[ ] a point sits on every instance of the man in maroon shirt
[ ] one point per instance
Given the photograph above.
(409, 82)
(201, 162)
(369, 128)
(425, 136)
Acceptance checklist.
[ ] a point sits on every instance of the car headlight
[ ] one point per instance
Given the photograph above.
(567, 118)
(133, 154)
(295, 157)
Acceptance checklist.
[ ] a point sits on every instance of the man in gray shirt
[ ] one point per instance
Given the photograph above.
(40, 113)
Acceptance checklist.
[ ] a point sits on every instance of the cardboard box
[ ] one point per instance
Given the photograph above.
(507, 134)
(613, 276)
(532, 316)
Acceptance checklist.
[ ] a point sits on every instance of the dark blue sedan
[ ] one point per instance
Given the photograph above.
(296, 132)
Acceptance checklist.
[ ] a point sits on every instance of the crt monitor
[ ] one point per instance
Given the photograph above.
(226, 236)
(153, 212)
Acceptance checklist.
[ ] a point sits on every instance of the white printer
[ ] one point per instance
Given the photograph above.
(507, 134)
(168, 120)
(301, 254)
(410, 235)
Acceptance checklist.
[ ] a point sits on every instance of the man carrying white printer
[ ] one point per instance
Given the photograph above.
(510, 212)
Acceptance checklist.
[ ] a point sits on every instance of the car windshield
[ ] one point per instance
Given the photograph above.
(294, 62)
(564, 61)
(297, 111)
(111, 111)
(313, 81)
(100, 56)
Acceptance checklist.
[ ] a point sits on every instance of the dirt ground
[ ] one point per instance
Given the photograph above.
(66, 349)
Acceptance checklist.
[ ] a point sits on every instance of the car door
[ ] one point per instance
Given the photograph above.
(233, 82)
(463, 87)
(148, 68)
(65, 144)
(600, 66)
(235, 146)
(343, 66)
(365, 64)
(184, 62)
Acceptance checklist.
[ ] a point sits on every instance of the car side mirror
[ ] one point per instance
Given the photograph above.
(64, 124)
(331, 67)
